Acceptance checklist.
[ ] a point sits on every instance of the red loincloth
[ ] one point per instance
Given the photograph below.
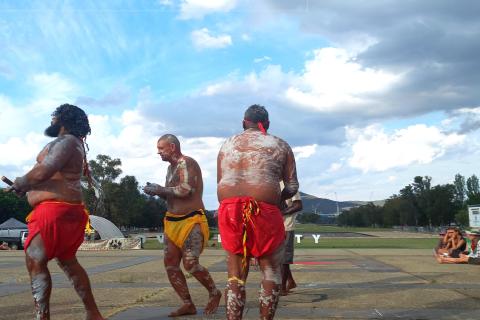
(61, 226)
(249, 227)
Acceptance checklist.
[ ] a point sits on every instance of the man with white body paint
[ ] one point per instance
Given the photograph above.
(250, 166)
(291, 207)
(185, 224)
(57, 223)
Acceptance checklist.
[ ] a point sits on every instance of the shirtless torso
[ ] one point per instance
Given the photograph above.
(64, 158)
(252, 164)
(185, 180)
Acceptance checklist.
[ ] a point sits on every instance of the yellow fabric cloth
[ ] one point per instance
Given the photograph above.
(178, 231)
(88, 227)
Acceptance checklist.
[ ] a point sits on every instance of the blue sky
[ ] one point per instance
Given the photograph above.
(368, 94)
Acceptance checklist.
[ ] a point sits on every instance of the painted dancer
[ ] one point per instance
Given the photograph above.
(56, 226)
(186, 227)
(249, 169)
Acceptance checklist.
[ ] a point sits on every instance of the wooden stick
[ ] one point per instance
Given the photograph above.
(7, 181)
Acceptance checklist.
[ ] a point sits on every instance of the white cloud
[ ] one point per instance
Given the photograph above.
(333, 80)
(133, 139)
(304, 151)
(262, 59)
(196, 9)
(245, 37)
(49, 91)
(166, 3)
(22, 151)
(202, 39)
(335, 167)
(375, 150)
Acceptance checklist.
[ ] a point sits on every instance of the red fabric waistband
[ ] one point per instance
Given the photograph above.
(58, 202)
(243, 199)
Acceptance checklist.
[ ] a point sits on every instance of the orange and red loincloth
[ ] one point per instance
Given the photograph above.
(61, 225)
(249, 227)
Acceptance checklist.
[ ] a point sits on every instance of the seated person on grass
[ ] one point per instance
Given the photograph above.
(445, 236)
(456, 244)
(470, 257)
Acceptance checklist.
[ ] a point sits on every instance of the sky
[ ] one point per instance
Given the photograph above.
(369, 94)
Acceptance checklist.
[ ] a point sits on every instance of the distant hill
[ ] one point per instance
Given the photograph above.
(327, 206)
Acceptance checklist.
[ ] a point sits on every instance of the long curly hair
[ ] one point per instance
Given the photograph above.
(73, 119)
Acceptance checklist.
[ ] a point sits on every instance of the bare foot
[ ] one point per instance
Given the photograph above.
(186, 309)
(213, 302)
(437, 257)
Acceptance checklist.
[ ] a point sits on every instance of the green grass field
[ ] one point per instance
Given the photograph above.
(310, 227)
(344, 243)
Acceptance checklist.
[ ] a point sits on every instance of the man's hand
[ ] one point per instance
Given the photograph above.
(151, 189)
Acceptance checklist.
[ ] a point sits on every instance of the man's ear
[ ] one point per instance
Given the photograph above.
(243, 125)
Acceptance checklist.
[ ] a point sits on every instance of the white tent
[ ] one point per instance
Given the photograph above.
(105, 228)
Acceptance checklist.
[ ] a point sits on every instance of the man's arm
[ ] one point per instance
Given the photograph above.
(59, 152)
(290, 176)
(219, 166)
(295, 207)
(183, 189)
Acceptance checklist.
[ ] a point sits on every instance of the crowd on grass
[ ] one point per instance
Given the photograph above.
(454, 246)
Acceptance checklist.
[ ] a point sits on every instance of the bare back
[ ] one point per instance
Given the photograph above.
(186, 179)
(61, 162)
(252, 164)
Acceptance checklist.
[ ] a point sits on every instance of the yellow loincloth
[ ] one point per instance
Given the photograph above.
(178, 231)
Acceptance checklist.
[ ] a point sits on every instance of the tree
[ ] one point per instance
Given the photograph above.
(308, 217)
(421, 188)
(461, 217)
(460, 191)
(443, 206)
(121, 202)
(12, 206)
(473, 190)
(409, 207)
(104, 170)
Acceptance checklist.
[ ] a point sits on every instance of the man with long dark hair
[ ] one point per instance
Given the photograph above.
(56, 226)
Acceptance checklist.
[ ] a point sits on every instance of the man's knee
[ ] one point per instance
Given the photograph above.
(192, 265)
(35, 258)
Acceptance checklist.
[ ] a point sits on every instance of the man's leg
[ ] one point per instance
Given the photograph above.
(270, 287)
(37, 262)
(172, 257)
(235, 294)
(287, 279)
(79, 278)
(191, 253)
(285, 276)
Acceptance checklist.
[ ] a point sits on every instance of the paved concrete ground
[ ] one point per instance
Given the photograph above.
(333, 284)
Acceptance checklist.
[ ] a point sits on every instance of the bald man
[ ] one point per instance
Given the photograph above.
(186, 227)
